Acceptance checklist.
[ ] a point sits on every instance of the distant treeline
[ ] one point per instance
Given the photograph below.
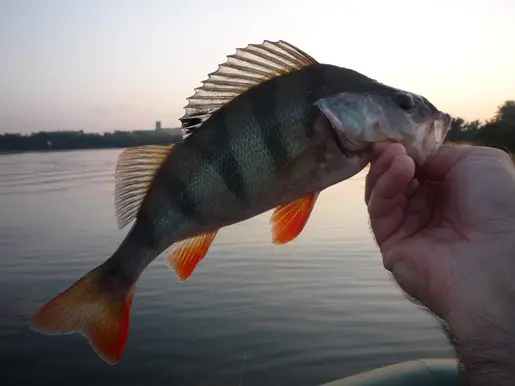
(66, 140)
(498, 131)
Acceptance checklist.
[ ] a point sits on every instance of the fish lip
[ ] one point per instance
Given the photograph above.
(434, 137)
(445, 120)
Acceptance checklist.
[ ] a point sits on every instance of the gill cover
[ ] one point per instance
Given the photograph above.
(356, 118)
(360, 119)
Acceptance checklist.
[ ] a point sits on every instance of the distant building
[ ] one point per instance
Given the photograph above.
(173, 131)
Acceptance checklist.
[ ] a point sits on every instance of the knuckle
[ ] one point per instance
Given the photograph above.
(504, 156)
(494, 152)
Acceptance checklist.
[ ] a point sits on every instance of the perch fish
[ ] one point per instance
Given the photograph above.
(269, 129)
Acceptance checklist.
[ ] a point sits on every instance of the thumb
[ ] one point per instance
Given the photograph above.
(413, 277)
(406, 275)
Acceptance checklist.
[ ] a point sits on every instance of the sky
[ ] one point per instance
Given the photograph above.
(103, 65)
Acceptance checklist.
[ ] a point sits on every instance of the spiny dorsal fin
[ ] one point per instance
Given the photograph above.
(243, 70)
(134, 173)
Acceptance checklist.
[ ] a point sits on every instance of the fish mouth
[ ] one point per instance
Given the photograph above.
(440, 127)
(429, 140)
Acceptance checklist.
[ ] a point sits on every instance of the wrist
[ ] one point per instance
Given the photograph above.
(481, 323)
(485, 348)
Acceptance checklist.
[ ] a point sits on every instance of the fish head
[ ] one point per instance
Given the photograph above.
(360, 119)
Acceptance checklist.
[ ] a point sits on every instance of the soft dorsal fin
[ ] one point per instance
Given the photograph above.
(134, 173)
(243, 70)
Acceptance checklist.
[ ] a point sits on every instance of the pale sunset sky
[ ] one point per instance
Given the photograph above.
(102, 65)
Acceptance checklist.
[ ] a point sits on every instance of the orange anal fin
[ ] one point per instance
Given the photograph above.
(86, 307)
(289, 220)
(188, 253)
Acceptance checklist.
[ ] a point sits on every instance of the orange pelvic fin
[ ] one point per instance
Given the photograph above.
(87, 307)
(289, 220)
(188, 253)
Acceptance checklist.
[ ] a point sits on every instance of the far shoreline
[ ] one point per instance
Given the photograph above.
(59, 141)
(11, 152)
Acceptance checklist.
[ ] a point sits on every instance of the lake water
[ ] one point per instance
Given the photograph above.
(317, 309)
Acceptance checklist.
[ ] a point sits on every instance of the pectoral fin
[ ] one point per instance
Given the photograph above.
(289, 220)
(188, 253)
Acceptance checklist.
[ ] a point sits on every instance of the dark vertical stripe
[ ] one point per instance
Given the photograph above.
(144, 231)
(318, 81)
(215, 148)
(228, 167)
(264, 109)
(313, 80)
(179, 194)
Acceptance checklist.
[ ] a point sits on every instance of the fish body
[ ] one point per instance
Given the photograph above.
(236, 166)
(271, 128)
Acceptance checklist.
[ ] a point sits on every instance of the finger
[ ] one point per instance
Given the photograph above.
(379, 147)
(388, 198)
(412, 188)
(438, 166)
(394, 181)
(417, 215)
(385, 153)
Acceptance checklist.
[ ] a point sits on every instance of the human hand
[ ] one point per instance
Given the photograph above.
(447, 234)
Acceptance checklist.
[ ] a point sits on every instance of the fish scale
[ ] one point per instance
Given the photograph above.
(270, 129)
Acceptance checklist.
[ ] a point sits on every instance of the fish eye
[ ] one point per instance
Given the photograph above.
(404, 101)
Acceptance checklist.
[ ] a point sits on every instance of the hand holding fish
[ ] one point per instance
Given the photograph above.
(446, 232)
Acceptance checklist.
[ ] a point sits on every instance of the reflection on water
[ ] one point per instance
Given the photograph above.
(253, 313)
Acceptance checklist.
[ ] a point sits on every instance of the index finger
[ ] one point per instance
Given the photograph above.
(383, 155)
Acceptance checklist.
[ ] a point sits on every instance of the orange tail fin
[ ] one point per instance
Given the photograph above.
(89, 308)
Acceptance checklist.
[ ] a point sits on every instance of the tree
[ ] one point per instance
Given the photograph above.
(474, 125)
(457, 124)
(506, 113)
